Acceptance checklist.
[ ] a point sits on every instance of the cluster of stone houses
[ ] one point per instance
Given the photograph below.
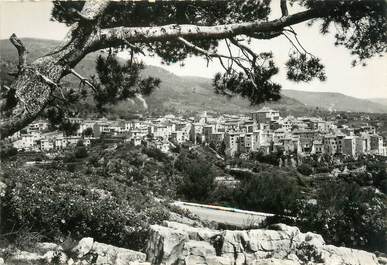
(263, 130)
(266, 131)
(37, 138)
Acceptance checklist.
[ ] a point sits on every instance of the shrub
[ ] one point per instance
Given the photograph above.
(156, 154)
(379, 174)
(69, 157)
(305, 169)
(7, 152)
(198, 180)
(346, 214)
(273, 194)
(272, 158)
(56, 204)
(80, 152)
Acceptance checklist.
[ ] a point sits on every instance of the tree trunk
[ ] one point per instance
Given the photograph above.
(35, 82)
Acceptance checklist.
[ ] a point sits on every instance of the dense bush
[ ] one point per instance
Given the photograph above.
(80, 152)
(6, 152)
(347, 214)
(378, 171)
(272, 158)
(133, 166)
(58, 204)
(156, 154)
(198, 180)
(268, 193)
(305, 169)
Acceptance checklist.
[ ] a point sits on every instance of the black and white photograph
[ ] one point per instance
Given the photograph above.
(193, 132)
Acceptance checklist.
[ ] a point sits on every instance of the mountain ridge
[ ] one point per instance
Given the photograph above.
(190, 93)
(335, 101)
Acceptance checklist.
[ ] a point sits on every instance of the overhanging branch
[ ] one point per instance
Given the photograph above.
(109, 37)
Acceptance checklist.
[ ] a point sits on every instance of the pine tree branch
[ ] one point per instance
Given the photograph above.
(244, 47)
(111, 37)
(83, 79)
(47, 80)
(21, 49)
(201, 50)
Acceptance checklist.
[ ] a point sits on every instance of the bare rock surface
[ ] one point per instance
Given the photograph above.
(175, 243)
(86, 252)
(181, 244)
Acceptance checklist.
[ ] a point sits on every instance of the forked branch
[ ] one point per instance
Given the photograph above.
(83, 79)
(201, 50)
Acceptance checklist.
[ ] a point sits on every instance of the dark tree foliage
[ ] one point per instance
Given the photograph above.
(80, 152)
(142, 13)
(347, 214)
(66, 103)
(361, 25)
(254, 84)
(8, 95)
(198, 180)
(268, 193)
(305, 169)
(302, 68)
(118, 81)
(88, 132)
(69, 128)
(7, 151)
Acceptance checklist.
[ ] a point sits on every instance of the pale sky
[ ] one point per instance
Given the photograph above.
(31, 19)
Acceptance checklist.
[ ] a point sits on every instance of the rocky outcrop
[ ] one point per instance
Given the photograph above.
(87, 251)
(181, 244)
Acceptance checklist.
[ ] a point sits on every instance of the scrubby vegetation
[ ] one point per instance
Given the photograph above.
(113, 192)
(59, 204)
(346, 214)
(198, 179)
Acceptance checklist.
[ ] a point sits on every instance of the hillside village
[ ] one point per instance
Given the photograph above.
(263, 130)
(193, 132)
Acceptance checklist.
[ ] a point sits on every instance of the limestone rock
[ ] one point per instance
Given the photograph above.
(108, 254)
(382, 260)
(340, 255)
(194, 233)
(86, 252)
(24, 257)
(182, 244)
(165, 244)
(276, 262)
(44, 247)
(55, 257)
(184, 220)
(83, 247)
